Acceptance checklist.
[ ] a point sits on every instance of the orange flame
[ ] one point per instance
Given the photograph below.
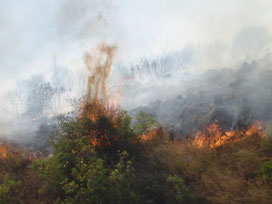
(98, 64)
(3, 151)
(94, 142)
(97, 100)
(14, 151)
(149, 135)
(213, 137)
(94, 111)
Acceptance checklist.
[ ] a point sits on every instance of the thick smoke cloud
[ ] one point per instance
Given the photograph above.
(232, 98)
(183, 39)
(174, 73)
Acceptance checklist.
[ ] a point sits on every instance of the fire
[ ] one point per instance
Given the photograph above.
(114, 98)
(98, 101)
(11, 150)
(4, 150)
(94, 111)
(98, 65)
(256, 129)
(213, 137)
(148, 136)
(94, 142)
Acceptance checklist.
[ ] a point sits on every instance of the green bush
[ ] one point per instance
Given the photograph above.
(8, 189)
(267, 145)
(178, 191)
(265, 171)
(144, 123)
(79, 172)
(110, 132)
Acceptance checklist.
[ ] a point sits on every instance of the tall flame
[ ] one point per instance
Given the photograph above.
(4, 148)
(98, 65)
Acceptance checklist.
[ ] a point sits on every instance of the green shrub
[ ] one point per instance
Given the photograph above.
(265, 171)
(109, 132)
(80, 172)
(144, 123)
(267, 145)
(178, 191)
(8, 189)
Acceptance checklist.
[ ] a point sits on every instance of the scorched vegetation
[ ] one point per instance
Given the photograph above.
(99, 158)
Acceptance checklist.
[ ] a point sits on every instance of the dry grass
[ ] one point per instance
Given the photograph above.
(222, 175)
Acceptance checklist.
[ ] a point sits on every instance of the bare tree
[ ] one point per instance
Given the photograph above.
(161, 68)
(32, 97)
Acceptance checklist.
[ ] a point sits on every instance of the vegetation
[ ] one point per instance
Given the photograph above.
(99, 158)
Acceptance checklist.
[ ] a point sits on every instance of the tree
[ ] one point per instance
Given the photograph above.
(82, 171)
(144, 123)
(32, 97)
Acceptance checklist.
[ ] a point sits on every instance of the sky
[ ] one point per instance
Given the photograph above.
(222, 32)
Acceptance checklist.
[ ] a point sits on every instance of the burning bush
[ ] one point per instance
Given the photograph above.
(106, 129)
(91, 162)
(18, 181)
(98, 158)
(147, 127)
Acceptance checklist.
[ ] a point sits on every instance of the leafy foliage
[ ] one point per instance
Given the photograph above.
(178, 190)
(7, 189)
(144, 123)
(265, 171)
(81, 172)
(98, 158)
